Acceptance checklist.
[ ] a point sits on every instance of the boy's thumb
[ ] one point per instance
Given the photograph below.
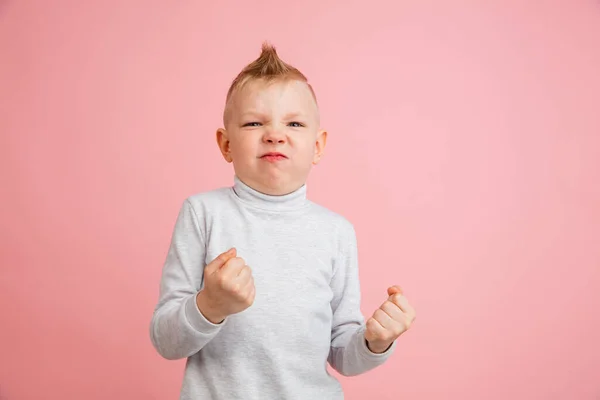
(393, 290)
(221, 259)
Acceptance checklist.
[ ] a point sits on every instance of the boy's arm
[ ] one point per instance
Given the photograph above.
(349, 354)
(178, 329)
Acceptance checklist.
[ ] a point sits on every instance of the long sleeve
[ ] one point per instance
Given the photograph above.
(178, 329)
(349, 354)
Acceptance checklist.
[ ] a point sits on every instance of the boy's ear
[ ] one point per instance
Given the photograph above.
(320, 146)
(223, 143)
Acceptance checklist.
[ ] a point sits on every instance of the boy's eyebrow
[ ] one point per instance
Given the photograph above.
(294, 115)
(254, 113)
(251, 113)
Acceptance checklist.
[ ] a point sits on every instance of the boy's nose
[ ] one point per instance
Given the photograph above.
(273, 136)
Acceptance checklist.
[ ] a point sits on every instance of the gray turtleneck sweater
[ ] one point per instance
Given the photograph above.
(307, 307)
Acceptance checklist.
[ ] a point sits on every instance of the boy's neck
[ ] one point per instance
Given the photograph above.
(294, 200)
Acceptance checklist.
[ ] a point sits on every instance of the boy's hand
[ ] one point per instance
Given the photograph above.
(228, 287)
(389, 321)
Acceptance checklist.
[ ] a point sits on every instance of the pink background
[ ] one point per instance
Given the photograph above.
(464, 145)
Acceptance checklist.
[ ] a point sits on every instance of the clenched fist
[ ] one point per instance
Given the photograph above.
(228, 287)
(389, 321)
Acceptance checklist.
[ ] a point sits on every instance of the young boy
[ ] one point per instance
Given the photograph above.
(260, 287)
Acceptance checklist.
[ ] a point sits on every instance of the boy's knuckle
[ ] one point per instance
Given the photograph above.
(239, 262)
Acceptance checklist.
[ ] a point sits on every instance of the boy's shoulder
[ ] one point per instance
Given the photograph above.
(332, 218)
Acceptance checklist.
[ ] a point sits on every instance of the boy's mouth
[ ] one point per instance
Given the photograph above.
(273, 156)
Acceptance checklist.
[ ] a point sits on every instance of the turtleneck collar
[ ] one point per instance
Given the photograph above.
(291, 201)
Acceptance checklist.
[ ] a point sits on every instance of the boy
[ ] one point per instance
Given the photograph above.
(260, 286)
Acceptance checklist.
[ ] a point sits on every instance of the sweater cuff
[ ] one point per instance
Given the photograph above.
(197, 320)
(367, 353)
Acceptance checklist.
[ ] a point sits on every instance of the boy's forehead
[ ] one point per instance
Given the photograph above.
(258, 95)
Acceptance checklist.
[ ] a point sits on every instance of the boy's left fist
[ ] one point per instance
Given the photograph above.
(389, 321)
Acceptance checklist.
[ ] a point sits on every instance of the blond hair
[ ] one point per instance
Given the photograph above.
(267, 67)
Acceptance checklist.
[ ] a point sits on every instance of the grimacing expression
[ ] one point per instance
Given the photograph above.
(272, 135)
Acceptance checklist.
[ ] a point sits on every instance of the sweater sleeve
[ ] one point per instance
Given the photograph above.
(178, 329)
(349, 354)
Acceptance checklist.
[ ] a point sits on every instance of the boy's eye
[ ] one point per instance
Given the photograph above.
(296, 124)
(252, 124)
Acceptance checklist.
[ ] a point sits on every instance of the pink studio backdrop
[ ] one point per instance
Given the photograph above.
(464, 145)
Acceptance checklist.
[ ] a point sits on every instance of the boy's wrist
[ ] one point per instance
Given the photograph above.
(378, 348)
(205, 310)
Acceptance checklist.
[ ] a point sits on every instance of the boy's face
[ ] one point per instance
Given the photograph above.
(272, 135)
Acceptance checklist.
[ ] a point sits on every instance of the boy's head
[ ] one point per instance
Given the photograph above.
(271, 128)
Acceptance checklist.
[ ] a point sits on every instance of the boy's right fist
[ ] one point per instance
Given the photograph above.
(228, 287)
